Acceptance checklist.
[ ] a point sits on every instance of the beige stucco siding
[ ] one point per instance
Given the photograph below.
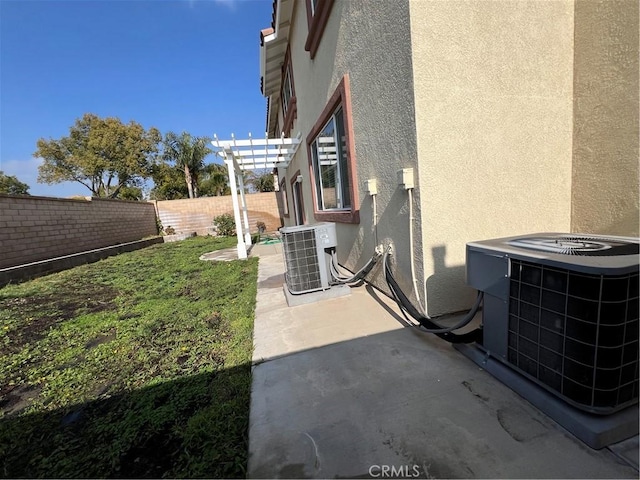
(369, 41)
(493, 100)
(605, 156)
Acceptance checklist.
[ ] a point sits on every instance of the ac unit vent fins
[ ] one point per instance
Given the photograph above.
(576, 333)
(302, 262)
(576, 245)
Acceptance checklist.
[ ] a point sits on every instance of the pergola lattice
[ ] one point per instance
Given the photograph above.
(251, 154)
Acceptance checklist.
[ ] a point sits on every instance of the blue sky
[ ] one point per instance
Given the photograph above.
(179, 65)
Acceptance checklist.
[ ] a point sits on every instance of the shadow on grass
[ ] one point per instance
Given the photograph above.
(192, 427)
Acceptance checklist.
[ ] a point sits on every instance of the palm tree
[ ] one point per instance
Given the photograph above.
(215, 180)
(188, 153)
(260, 180)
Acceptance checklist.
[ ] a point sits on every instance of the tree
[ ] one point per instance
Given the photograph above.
(188, 154)
(261, 181)
(214, 180)
(131, 193)
(103, 154)
(12, 186)
(168, 182)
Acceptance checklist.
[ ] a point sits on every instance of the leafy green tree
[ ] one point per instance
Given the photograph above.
(131, 193)
(260, 180)
(214, 180)
(103, 154)
(168, 182)
(188, 154)
(11, 185)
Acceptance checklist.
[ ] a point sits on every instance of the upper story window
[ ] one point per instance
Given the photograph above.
(317, 16)
(288, 95)
(332, 160)
(287, 90)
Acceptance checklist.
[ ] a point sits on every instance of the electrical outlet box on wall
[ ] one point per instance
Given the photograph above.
(372, 186)
(405, 178)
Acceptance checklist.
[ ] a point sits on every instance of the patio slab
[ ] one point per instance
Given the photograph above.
(342, 389)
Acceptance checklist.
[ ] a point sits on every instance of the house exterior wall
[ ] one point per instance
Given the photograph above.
(517, 116)
(493, 99)
(370, 42)
(605, 130)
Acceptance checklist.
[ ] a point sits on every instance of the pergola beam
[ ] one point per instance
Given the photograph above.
(251, 154)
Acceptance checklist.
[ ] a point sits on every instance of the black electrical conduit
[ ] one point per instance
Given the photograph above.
(356, 277)
(427, 324)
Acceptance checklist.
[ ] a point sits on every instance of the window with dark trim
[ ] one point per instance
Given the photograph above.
(298, 202)
(288, 94)
(317, 16)
(285, 200)
(332, 160)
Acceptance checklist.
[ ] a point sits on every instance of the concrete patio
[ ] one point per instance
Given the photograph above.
(343, 389)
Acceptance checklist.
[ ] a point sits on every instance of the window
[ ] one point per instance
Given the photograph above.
(298, 204)
(285, 200)
(288, 95)
(328, 154)
(317, 16)
(332, 160)
(287, 91)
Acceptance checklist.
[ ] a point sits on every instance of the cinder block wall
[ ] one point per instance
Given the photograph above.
(39, 228)
(197, 214)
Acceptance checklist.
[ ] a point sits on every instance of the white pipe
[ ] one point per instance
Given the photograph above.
(375, 218)
(413, 270)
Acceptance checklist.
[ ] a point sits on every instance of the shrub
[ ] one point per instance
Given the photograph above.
(170, 230)
(225, 225)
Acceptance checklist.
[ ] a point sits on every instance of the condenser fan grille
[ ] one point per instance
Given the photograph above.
(302, 262)
(576, 333)
(576, 245)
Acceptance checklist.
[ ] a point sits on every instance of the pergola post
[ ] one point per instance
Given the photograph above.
(245, 214)
(242, 247)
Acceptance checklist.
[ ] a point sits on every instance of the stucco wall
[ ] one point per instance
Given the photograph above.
(493, 100)
(39, 228)
(605, 132)
(371, 42)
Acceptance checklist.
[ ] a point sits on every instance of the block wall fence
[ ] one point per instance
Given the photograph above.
(197, 214)
(39, 228)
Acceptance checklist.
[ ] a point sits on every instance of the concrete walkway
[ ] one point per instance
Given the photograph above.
(341, 389)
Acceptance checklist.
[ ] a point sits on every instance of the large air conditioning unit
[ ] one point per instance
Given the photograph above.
(562, 310)
(307, 255)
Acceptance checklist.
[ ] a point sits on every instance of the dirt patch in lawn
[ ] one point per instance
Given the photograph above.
(40, 313)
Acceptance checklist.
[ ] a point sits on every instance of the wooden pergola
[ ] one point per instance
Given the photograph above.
(251, 154)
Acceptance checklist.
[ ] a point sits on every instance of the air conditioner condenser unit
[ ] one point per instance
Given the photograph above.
(306, 256)
(561, 310)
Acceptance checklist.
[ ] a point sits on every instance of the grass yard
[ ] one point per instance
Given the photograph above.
(134, 366)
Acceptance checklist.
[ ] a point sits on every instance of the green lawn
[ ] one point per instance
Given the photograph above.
(134, 366)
